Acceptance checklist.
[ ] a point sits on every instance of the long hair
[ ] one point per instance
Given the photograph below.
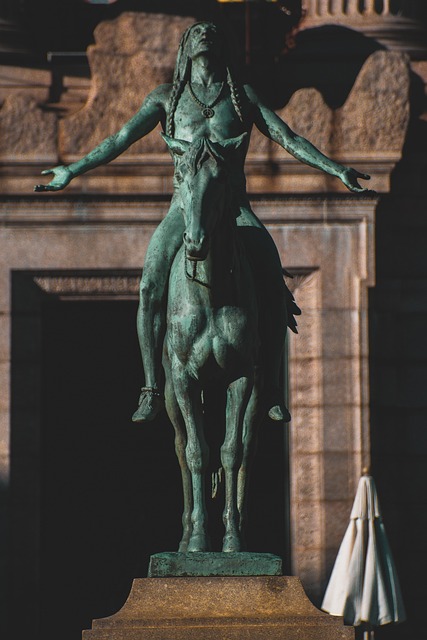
(182, 75)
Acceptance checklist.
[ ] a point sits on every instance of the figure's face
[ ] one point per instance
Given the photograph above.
(204, 39)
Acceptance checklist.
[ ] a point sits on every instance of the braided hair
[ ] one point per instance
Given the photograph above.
(182, 75)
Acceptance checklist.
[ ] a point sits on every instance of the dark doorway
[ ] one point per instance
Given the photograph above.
(110, 491)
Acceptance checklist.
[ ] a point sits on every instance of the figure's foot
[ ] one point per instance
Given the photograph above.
(279, 413)
(149, 405)
(277, 409)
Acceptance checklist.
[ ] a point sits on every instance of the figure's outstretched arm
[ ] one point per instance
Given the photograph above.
(151, 113)
(276, 129)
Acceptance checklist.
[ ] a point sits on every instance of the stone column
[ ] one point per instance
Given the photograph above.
(369, 7)
(353, 8)
(386, 8)
(337, 7)
(311, 8)
(323, 8)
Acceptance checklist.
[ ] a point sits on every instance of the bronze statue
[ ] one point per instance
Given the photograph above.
(207, 117)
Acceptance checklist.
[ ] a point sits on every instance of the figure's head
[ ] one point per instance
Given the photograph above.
(202, 38)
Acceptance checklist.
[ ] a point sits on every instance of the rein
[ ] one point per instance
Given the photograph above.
(193, 276)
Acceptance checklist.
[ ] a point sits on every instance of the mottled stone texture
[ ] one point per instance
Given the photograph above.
(27, 132)
(373, 119)
(376, 114)
(218, 608)
(132, 56)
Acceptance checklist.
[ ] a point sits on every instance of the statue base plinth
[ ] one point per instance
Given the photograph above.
(219, 608)
(198, 564)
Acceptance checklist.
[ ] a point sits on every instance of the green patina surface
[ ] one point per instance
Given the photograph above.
(212, 289)
(167, 565)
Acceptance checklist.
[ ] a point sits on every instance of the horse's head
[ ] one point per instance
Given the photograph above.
(204, 186)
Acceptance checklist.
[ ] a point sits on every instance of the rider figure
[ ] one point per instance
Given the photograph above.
(205, 100)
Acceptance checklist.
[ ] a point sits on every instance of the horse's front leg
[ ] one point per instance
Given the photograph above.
(176, 418)
(188, 393)
(238, 395)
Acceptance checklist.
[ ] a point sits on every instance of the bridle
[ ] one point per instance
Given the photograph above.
(193, 276)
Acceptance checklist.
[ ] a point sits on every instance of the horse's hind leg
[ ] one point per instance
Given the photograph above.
(177, 420)
(189, 398)
(231, 458)
(254, 415)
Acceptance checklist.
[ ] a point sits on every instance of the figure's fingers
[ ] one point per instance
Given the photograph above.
(367, 192)
(44, 187)
(46, 172)
(363, 176)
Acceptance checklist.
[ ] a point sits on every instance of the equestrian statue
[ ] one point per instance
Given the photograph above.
(213, 302)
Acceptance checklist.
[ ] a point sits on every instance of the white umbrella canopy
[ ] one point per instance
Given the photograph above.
(364, 587)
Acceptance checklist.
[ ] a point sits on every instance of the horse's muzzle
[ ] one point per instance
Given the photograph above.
(196, 249)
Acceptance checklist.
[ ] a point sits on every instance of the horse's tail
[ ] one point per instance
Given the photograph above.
(292, 309)
(217, 479)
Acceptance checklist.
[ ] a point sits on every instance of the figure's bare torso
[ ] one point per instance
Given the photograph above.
(190, 124)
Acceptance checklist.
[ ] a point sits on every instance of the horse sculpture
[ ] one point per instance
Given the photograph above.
(212, 334)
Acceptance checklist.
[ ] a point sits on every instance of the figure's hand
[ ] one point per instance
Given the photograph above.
(350, 178)
(62, 177)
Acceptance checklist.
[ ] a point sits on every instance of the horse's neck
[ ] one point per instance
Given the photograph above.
(221, 267)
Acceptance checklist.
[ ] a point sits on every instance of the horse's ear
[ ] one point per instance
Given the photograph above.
(233, 143)
(175, 145)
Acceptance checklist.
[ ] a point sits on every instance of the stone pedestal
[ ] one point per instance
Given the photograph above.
(219, 608)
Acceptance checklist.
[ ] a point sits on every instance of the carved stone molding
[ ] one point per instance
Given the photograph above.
(84, 287)
(397, 26)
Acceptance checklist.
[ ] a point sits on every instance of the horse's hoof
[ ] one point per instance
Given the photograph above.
(279, 413)
(198, 543)
(150, 404)
(231, 544)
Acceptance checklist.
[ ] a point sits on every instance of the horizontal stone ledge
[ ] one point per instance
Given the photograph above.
(145, 161)
(223, 622)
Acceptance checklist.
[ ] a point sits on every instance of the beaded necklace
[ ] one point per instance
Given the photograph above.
(207, 110)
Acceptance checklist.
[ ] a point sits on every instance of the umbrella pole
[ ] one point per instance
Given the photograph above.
(368, 633)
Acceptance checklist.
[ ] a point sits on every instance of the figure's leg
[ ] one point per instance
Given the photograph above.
(238, 395)
(272, 301)
(177, 420)
(151, 318)
(188, 394)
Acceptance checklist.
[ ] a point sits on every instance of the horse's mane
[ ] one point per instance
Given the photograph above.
(200, 151)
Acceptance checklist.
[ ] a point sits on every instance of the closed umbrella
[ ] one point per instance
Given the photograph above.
(364, 587)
